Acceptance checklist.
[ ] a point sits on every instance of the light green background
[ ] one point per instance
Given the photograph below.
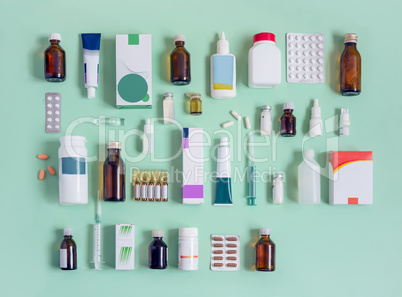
(321, 250)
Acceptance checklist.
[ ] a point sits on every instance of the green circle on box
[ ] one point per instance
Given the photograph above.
(133, 88)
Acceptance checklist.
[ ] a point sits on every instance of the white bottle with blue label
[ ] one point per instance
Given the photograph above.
(223, 71)
(73, 170)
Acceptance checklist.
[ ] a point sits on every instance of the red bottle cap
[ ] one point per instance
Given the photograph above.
(264, 36)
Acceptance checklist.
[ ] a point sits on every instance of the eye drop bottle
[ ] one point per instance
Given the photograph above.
(223, 71)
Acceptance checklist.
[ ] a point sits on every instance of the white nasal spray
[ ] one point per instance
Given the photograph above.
(315, 122)
(344, 123)
(148, 140)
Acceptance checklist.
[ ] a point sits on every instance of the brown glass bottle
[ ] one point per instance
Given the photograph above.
(265, 252)
(350, 67)
(55, 60)
(288, 120)
(180, 62)
(68, 251)
(114, 174)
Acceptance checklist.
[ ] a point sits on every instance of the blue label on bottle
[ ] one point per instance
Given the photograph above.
(222, 72)
(71, 165)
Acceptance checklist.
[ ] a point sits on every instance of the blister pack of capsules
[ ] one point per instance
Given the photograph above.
(225, 252)
(305, 58)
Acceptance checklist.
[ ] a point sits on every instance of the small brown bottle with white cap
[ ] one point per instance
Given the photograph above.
(351, 63)
(55, 60)
(180, 73)
(265, 252)
(68, 251)
(114, 174)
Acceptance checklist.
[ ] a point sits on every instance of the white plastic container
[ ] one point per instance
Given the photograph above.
(168, 109)
(73, 170)
(148, 140)
(344, 123)
(223, 71)
(188, 248)
(277, 189)
(315, 122)
(266, 120)
(309, 180)
(264, 62)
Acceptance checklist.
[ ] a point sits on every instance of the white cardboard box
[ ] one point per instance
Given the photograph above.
(125, 246)
(193, 166)
(133, 71)
(350, 177)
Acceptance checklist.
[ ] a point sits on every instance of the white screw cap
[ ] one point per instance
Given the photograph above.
(68, 231)
(265, 231)
(157, 233)
(55, 36)
(180, 37)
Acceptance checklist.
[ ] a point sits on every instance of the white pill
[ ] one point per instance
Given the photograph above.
(312, 76)
(319, 45)
(291, 75)
(305, 45)
(49, 126)
(319, 37)
(57, 119)
(49, 98)
(312, 45)
(320, 76)
(291, 68)
(305, 75)
(236, 115)
(305, 37)
(57, 98)
(319, 68)
(298, 60)
(247, 122)
(320, 60)
(49, 105)
(320, 53)
(290, 52)
(57, 105)
(49, 119)
(57, 126)
(49, 112)
(290, 45)
(298, 45)
(227, 124)
(57, 112)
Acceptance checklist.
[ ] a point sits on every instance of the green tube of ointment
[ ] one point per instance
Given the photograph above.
(224, 183)
(91, 46)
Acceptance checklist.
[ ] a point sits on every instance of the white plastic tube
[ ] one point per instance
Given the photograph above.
(91, 46)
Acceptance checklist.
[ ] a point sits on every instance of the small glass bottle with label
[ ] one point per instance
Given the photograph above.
(68, 251)
(265, 252)
(164, 186)
(158, 251)
(114, 174)
(288, 120)
(55, 60)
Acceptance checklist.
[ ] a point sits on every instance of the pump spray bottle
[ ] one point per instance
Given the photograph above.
(224, 185)
(315, 122)
(223, 71)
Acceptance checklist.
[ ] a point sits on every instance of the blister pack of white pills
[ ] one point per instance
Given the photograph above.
(225, 252)
(53, 112)
(305, 58)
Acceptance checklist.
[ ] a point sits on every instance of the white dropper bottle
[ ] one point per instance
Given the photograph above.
(344, 123)
(315, 122)
(148, 140)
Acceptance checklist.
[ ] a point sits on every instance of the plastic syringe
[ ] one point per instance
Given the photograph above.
(97, 235)
(251, 173)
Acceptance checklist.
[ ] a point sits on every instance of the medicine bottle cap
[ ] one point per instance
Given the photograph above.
(188, 232)
(350, 37)
(193, 95)
(278, 175)
(168, 95)
(114, 145)
(265, 231)
(157, 233)
(68, 231)
(223, 45)
(264, 36)
(180, 37)
(266, 107)
(224, 141)
(55, 36)
(289, 105)
(308, 154)
(91, 92)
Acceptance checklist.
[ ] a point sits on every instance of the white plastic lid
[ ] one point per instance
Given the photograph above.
(344, 115)
(68, 231)
(265, 231)
(192, 232)
(350, 37)
(55, 36)
(316, 110)
(180, 37)
(73, 139)
(289, 105)
(168, 95)
(308, 154)
(224, 141)
(114, 145)
(223, 45)
(278, 175)
(91, 92)
(266, 107)
(157, 233)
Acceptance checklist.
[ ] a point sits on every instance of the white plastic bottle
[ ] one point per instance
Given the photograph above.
(266, 120)
(223, 71)
(344, 123)
(188, 249)
(168, 109)
(148, 140)
(309, 180)
(277, 189)
(73, 170)
(315, 122)
(264, 62)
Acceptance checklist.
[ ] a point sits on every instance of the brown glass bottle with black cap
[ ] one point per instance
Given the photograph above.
(55, 60)
(180, 73)
(114, 174)
(68, 251)
(265, 252)
(288, 120)
(350, 84)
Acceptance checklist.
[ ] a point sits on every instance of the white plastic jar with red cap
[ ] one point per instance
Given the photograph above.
(264, 62)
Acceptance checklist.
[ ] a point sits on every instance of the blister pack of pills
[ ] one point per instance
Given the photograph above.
(225, 252)
(305, 58)
(53, 112)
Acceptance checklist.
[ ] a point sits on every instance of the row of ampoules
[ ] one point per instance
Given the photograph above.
(150, 185)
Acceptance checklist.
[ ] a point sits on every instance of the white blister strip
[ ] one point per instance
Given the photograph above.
(225, 252)
(305, 58)
(53, 112)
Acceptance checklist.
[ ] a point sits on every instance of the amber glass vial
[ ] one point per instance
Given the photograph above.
(351, 64)
(288, 120)
(265, 252)
(68, 251)
(55, 60)
(180, 62)
(114, 174)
